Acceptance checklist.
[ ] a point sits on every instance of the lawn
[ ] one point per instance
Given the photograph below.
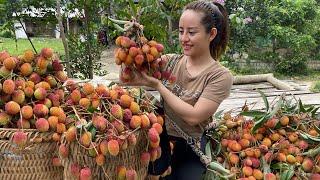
(23, 44)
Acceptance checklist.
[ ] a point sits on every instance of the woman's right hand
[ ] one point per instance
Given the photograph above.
(141, 79)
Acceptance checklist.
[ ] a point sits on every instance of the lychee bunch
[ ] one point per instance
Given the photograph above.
(139, 54)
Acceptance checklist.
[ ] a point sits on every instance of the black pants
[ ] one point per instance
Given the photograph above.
(185, 164)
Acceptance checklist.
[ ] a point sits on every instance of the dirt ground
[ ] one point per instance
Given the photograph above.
(107, 60)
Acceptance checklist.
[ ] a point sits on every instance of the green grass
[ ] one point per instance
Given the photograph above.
(23, 44)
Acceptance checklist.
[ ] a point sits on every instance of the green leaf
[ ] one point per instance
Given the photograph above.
(217, 149)
(218, 114)
(89, 125)
(312, 137)
(133, 8)
(304, 136)
(93, 132)
(259, 123)
(278, 125)
(276, 109)
(265, 100)
(279, 166)
(287, 174)
(208, 149)
(301, 108)
(253, 113)
(316, 128)
(314, 111)
(111, 84)
(92, 109)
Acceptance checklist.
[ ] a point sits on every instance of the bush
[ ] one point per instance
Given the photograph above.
(290, 25)
(79, 57)
(316, 87)
(6, 34)
(291, 65)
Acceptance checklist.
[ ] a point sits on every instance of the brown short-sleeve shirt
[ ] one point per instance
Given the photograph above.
(213, 83)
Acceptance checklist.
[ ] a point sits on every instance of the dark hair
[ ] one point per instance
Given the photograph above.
(215, 16)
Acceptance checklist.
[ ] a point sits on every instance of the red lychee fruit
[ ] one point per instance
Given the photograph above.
(20, 138)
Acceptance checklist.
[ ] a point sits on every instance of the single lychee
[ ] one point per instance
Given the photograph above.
(131, 174)
(4, 118)
(71, 134)
(18, 96)
(86, 139)
(127, 115)
(9, 63)
(135, 122)
(100, 159)
(47, 53)
(116, 111)
(12, 108)
(8, 86)
(121, 173)
(145, 122)
(113, 147)
(85, 174)
(40, 93)
(40, 110)
(145, 158)
(75, 169)
(63, 151)
(42, 125)
(153, 135)
(23, 124)
(152, 117)
(26, 69)
(28, 56)
(20, 138)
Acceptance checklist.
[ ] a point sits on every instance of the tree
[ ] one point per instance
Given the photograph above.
(160, 19)
(284, 32)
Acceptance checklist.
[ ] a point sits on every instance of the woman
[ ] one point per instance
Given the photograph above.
(201, 85)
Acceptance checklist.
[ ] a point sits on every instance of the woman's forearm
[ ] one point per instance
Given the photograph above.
(183, 109)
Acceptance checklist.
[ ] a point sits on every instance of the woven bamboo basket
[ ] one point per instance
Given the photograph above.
(130, 158)
(32, 162)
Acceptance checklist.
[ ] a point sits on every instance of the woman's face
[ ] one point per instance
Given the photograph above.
(193, 37)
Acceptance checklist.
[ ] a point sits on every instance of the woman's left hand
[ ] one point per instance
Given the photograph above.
(142, 79)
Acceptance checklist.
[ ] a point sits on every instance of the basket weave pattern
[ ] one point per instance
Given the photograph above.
(130, 158)
(32, 162)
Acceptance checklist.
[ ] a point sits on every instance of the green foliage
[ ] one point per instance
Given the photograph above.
(79, 58)
(160, 20)
(6, 33)
(84, 52)
(291, 25)
(292, 64)
(316, 87)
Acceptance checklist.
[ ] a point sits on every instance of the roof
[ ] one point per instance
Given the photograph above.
(41, 12)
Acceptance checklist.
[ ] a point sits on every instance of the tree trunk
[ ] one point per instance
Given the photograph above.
(170, 30)
(64, 40)
(247, 79)
(89, 39)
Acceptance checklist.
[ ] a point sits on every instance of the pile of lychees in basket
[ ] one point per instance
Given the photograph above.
(104, 120)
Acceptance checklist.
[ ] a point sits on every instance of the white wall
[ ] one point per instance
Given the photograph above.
(19, 30)
(57, 32)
